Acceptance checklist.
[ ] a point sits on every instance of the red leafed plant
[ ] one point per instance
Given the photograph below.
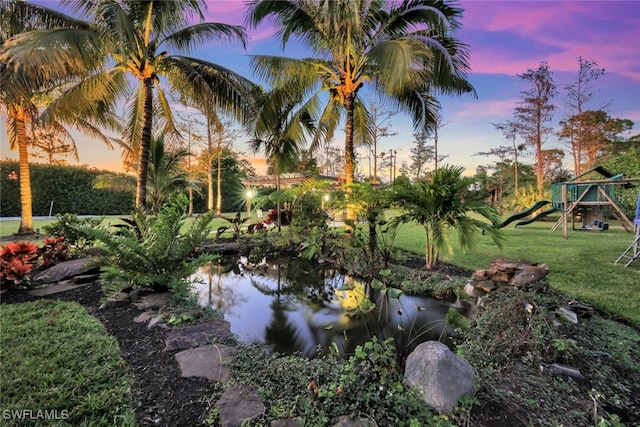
(16, 261)
(54, 250)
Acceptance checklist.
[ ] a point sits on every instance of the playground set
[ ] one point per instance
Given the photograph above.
(586, 200)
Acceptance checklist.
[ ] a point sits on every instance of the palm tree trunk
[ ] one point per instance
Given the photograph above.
(26, 210)
(278, 202)
(145, 144)
(219, 196)
(349, 154)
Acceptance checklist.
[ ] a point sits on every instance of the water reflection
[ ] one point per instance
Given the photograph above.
(294, 306)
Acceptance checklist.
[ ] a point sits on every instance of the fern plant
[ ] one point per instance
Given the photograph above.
(152, 252)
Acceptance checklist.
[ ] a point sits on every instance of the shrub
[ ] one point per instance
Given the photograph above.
(152, 252)
(16, 262)
(67, 225)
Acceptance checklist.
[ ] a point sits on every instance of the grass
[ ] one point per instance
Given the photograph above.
(9, 227)
(59, 367)
(581, 266)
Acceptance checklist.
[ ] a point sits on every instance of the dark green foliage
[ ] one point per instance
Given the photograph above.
(368, 385)
(67, 227)
(517, 338)
(154, 252)
(70, 188)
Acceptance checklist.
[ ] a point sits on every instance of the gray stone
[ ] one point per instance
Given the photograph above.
(155, 301)
(440, 375)
(530, 274)
(156, 321)
(347, 421)
(117, 297)
(209, 361)
(238, 406)
(143, 317)
(65, 270)
(198, 335)
(54, 289)
(289, 422)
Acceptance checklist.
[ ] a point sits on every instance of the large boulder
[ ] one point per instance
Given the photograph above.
(440, 375)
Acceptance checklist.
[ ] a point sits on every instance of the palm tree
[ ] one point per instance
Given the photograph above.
(405, 51)
(440, 204)
(133, 40)
(167, 176)
(23, 93)
(280, 131)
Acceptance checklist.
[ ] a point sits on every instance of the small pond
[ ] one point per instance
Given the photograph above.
(292, 305)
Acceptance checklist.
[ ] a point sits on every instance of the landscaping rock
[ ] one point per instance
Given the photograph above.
(347, 421)
(505, 272)
(143, 317)
(65, 270)
(195, 336)
(153, 301)
(54, 289)
(238, 406)
(529, 274)
(440, 375)
(209, 361)
(290, 422)
(156, 321)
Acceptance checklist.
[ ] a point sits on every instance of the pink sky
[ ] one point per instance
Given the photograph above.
(506, 38)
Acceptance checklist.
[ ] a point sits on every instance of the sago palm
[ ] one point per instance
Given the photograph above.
(140, 41)
(404, 51)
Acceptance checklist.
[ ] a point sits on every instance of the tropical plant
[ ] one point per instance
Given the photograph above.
(441, 204)
(404, 50)
(136, 39)
(154, 252)
(53, 251)
(66, 226)
(167, 175)
(23, 91)
(281, 131)
(16, 261)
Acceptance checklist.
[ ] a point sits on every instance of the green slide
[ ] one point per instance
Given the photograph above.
(537, 217)
(524, 213)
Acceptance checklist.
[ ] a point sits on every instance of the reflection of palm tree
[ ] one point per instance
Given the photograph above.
(221, 294)
(281, 335)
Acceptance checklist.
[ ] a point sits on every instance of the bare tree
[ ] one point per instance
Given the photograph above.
(381, 128)
(421, 154)
(579, 93)
(510, 130)
(51, 144)
(534, 111)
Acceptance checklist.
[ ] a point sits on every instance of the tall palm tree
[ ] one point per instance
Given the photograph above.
(404, 51)
(440, 204)
(137, 40)
(23, 93)
(281, 131)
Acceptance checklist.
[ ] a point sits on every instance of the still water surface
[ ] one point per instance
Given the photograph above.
(292, 305)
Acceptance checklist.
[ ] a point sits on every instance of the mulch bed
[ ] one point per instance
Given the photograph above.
(161, 397)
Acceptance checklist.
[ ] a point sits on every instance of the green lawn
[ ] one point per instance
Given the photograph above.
(581, 266)
(9, 227)
(60, 367)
